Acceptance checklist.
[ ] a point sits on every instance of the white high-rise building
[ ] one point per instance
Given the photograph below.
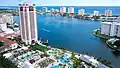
(44, 9)
(28, 24)
(52, 10)
(81, 12)
(62, 9)
(96, 13)
(108, 12)
(105, 28)
(6, 18)
(71, 10)
(111, 28)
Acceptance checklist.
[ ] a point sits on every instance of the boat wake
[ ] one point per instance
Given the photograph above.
(46, 30)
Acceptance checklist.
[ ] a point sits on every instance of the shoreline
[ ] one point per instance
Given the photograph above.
(78, 16)
(98, 34)
(106, 38)
(52, 47)
(69, 51)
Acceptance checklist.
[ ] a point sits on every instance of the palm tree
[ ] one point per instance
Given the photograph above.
(60, 65)
(115, 36)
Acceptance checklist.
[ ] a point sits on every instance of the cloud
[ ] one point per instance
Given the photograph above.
(26, 1)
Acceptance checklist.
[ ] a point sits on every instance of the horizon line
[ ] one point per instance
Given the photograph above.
(72, 5)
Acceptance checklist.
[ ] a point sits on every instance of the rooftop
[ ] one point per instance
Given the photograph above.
(106, 22)
(6, 41)
(117, 23)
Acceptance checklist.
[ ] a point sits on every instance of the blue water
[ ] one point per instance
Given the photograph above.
(63, 61)
(76, 35)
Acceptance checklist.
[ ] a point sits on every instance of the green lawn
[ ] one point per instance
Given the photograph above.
(39, 47)
(5, 63)
(98, 34)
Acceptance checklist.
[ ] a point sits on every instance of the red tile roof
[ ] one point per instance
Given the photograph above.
(6, 41)
(13, 34)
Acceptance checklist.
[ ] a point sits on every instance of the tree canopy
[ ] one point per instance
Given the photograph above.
(117, 43)
(1, 43)
(5, 63)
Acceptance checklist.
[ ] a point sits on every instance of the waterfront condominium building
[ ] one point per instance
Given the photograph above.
(106, 28)
(28, 24)
(111, 28)
(108, 13)
(96, 13)
(71, 10)
(81, 12)
(62, 9)
(44, 9)
(52, 10)
(118, 19)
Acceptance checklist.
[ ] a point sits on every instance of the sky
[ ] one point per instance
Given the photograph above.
(62, 2)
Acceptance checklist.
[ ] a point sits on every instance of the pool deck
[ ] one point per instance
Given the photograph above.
(111, 46)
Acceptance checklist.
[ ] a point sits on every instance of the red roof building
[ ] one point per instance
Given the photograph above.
(8, 44)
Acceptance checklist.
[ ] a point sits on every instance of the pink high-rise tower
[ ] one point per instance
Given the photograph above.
(28, 24)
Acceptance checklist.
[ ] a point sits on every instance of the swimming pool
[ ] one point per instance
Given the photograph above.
(56, 66)
(27, 56)
(63, 59)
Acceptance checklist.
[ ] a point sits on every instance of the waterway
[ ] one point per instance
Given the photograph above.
(74, 34)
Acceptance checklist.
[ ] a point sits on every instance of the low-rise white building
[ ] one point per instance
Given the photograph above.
(3, 26)
(8, 31)
(71, 10)
(7, 18)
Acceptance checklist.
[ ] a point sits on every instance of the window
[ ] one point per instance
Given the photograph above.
(21, 8)
(31, 8)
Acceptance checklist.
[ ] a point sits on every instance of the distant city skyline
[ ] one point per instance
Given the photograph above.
(62, 2)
